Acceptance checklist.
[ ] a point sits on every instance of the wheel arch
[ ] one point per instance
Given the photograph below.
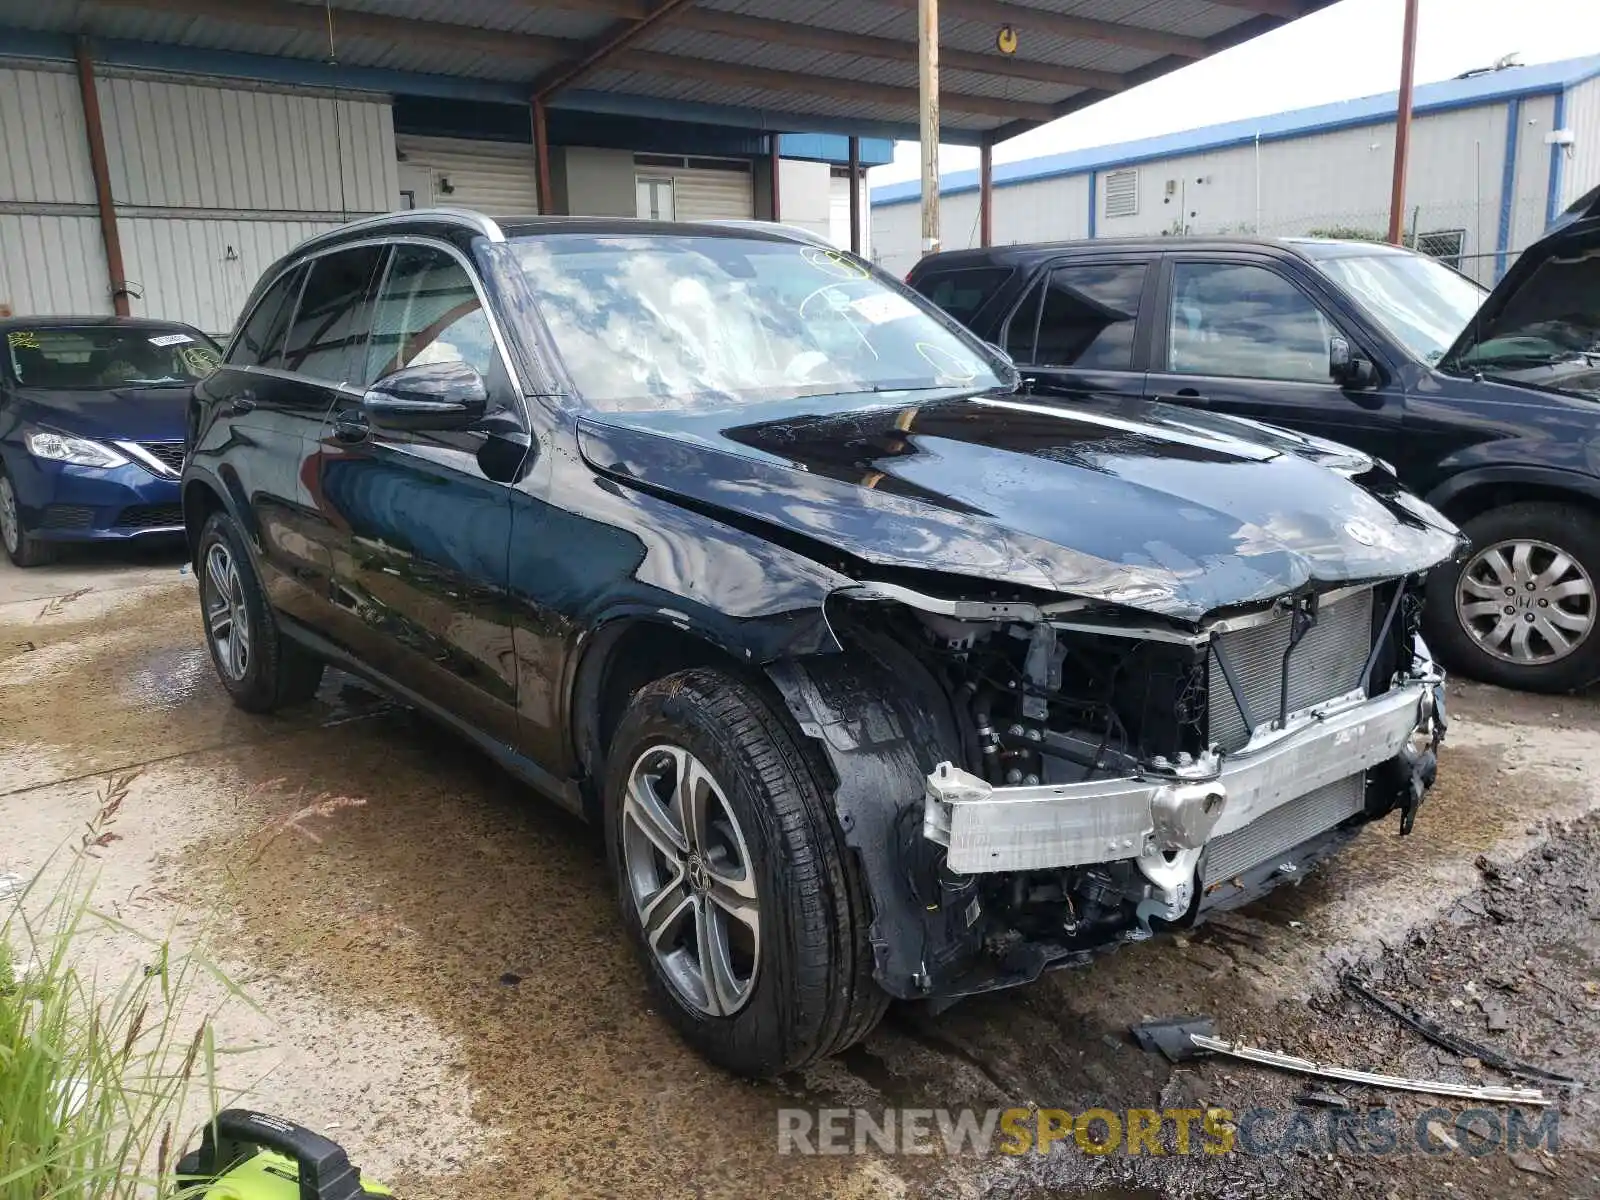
(621, 656)
(1475, 492)
(203, 494)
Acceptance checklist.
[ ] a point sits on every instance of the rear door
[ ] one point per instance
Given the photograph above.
(1240, 334)
(1076, 333)
(265, 421)
(419, 529)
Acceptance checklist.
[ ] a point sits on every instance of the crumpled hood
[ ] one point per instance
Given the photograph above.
(1146, 506)
(118, 414)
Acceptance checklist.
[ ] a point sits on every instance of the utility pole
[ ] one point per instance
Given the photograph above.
(1402, 126)
(928, 85)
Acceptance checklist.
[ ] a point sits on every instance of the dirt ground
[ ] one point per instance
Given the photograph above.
(443, 986)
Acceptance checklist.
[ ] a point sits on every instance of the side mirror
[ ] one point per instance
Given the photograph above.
(1348, 369)
(432, 396)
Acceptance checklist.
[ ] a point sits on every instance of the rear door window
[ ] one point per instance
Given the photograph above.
(328, 338)
(260, 340)
(963, 293)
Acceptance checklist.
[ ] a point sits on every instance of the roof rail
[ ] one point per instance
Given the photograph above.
(457, 216)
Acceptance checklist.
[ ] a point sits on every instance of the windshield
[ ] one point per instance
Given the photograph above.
(90, 358)
(1422, 303)
(665, 323)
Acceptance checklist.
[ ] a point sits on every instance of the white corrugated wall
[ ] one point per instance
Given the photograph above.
(213, 181)
(497, 178)
(1581, 171)
(1337, 180)
(51, 257)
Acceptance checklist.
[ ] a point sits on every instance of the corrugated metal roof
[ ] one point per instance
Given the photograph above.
(214, 25)
(1472, 91)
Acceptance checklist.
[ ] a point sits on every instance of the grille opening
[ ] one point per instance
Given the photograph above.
(168, 454)
(150, 516)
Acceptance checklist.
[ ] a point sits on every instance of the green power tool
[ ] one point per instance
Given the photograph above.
(246, 1155)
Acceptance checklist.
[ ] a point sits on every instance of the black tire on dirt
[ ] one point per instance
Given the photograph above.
(1573, 531)
(22, 548)
(277, 672)
(811, 993)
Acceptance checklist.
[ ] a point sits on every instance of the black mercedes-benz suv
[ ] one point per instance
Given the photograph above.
(1486, 404)
(882, 679)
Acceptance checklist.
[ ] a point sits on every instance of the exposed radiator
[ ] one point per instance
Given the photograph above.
(1326, 663)
(1283, 828)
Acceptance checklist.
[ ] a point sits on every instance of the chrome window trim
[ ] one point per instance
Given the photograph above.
(466, 264)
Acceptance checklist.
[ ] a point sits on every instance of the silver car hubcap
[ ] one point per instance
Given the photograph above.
(227, 620)
(10, 526)
(690, 876)
(1526, 602)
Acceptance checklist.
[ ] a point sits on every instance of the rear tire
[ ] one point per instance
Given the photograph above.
(1501, 613)
(262, 669)
(22, 548)
(802, 988)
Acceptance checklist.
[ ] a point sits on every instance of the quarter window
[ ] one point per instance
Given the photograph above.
(333, 322)
(963, 293)
(1234, 319)
(260, 341)
(1089, 316)
(428, 312)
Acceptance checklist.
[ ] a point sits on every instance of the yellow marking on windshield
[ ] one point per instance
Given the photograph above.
(23, 339)
(834, 262)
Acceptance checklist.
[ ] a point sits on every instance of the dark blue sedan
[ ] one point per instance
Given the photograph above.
(92, 414)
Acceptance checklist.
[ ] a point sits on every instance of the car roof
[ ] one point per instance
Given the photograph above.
(1028, 253)
(92, 321)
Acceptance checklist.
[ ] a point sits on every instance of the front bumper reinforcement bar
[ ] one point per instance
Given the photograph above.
(1155, 817)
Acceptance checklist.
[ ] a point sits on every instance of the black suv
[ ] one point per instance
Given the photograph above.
(1487, 409)
(881, 679)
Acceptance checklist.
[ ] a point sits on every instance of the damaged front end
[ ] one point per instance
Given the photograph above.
(1088, 774)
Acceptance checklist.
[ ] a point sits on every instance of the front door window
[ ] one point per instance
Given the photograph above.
(1244, 321)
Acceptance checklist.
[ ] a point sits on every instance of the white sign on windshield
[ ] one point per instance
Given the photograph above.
(171, 339)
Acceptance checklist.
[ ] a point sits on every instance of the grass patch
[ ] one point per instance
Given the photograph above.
(101, 1079)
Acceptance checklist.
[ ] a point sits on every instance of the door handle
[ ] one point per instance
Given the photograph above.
(242, 402)
(351, 425)
(1185, 396)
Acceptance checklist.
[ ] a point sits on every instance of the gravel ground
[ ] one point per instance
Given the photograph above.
(443, 986)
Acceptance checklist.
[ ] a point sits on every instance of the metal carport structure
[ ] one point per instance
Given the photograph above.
(843, 67)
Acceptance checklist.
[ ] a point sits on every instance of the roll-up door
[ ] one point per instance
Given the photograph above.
(496, 178)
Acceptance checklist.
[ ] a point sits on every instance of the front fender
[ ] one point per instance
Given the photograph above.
(1460, 484)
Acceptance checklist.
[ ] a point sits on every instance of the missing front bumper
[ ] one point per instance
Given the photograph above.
(1164, 821)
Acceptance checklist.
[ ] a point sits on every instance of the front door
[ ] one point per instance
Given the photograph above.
(1238, 336)
(1073, 335)
(420, 522)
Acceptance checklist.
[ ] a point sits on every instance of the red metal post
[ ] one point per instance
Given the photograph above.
(855, 195)
(541, 154)
(102, 179)
(772, 166)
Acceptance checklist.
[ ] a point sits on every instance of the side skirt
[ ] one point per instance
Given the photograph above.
(564, 792)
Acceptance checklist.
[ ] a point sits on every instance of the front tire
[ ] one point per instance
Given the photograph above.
(22, 548)
(262, 670)
(737, 891)
(1522, 609)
